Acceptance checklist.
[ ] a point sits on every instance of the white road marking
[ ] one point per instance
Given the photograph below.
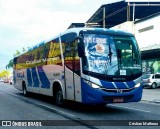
(65, 113)
(131, 108)
(62, 112)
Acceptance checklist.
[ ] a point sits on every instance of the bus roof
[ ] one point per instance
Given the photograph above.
(77, 30)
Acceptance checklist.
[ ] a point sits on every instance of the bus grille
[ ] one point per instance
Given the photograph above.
(118, 90)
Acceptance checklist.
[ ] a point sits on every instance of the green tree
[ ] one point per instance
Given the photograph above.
(1, 75)
(23, 50)
(10, 64)
(17, 53)
(4, 73)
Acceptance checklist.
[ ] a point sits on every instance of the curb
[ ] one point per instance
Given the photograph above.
(157, 101)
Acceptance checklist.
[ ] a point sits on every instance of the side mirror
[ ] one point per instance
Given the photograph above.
(81, 48)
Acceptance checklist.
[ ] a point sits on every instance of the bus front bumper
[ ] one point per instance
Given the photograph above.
(97, 96)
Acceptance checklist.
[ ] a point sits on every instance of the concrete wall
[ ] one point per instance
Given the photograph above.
(126, 26)
(148, 33)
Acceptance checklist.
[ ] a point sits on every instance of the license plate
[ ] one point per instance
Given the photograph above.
(118, 100)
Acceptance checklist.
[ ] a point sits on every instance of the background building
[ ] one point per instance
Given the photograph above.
(140, 18)
(148, 37)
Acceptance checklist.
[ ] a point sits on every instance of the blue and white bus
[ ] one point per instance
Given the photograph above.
(86, 65)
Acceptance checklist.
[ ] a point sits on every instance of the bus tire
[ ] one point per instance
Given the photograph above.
(59, 98)
(25, 92)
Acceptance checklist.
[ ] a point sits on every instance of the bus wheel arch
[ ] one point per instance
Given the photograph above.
(58, 94)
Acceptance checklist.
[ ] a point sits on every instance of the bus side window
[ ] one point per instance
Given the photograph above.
(72, 60)
(76, 58)
(69, 56)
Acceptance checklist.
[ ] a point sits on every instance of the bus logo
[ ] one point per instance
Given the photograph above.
(119, 91)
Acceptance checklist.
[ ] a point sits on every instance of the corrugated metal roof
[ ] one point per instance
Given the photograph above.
(116, 13)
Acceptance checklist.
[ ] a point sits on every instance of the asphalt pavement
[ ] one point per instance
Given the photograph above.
(151, 95)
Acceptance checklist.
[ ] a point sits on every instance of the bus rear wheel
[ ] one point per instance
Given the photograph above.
(59, 98)
(25, 93)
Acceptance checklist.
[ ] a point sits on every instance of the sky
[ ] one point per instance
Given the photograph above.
(24, 23)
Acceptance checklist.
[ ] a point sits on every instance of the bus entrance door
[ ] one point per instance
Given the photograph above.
(69, 83)
(72, 73)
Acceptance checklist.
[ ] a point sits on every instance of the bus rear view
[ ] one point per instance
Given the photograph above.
(111, 67)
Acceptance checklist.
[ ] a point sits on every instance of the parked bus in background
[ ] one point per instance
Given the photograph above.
(86, 65)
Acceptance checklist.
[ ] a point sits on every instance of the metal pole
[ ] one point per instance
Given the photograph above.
(128, 12)
(104, 21)
(133, 11)
(145, 4)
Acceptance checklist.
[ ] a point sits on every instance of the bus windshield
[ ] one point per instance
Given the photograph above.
(111, 55)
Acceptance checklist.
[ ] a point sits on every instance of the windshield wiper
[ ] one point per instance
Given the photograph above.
(130, 71)
(110, 54)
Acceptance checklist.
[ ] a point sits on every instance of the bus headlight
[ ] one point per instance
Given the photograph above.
(137, 85)
(93, 85)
